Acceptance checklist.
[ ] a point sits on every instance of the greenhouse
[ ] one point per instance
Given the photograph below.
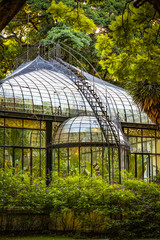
(57, 118)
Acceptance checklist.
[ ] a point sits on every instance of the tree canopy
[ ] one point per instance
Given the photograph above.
(131, 53)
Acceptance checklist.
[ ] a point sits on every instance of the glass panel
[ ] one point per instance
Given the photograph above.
(11, 122)
(1, 136)
(153, 165)
(85, 166)
(43, 125)
(63, 162)
(115, 165)
(1, 157)
(43, 139)
(106, 164)
(139, 144)
(157, 133)
(97, 161)
(73, 161)
(55, 161)
(158, 145)
(147, 145)
(36, 164)
(146, 166)
(139, 166)
(35, 138)
(1, 121)
(123, 160)
(153, 142)
(126, 131)
(31, 124)
(8, 158)
(43, 163)
(18, 160)
(13, 136)
(26, 160)
(134, 132)
(131, 164)
(26, 137)
(149, 133)
(133, 144)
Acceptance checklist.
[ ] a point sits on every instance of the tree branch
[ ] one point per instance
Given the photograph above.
(8, 9)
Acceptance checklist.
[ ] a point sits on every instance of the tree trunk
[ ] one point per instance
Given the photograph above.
(8, 9)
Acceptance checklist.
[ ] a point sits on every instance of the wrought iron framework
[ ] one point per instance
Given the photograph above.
(56, 86)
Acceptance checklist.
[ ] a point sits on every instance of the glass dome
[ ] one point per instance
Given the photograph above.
(83, 130)
(48, 88)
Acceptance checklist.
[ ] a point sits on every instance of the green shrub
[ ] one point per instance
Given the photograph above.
(79, 204)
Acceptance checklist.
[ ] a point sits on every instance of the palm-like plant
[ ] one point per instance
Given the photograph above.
(147, 96)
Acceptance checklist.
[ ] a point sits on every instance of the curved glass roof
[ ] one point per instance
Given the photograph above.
(46, 87)
(83, 130)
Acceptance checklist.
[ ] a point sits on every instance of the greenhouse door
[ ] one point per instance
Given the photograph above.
(143, 165)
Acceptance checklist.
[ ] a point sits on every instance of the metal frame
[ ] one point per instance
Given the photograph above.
(71, 86)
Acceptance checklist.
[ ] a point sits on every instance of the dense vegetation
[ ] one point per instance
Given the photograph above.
(73, 23)
(128, 210)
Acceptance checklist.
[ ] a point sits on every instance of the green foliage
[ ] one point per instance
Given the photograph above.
(9, 49)
(131, 209)
(73, 17)
(75, 27)
(103, 13)
(131, 49)
(76, 40)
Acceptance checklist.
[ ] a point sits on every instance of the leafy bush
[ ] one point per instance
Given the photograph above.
(87, 204)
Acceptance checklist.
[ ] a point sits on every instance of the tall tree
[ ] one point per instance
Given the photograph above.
(34, 23)
(131, 53)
